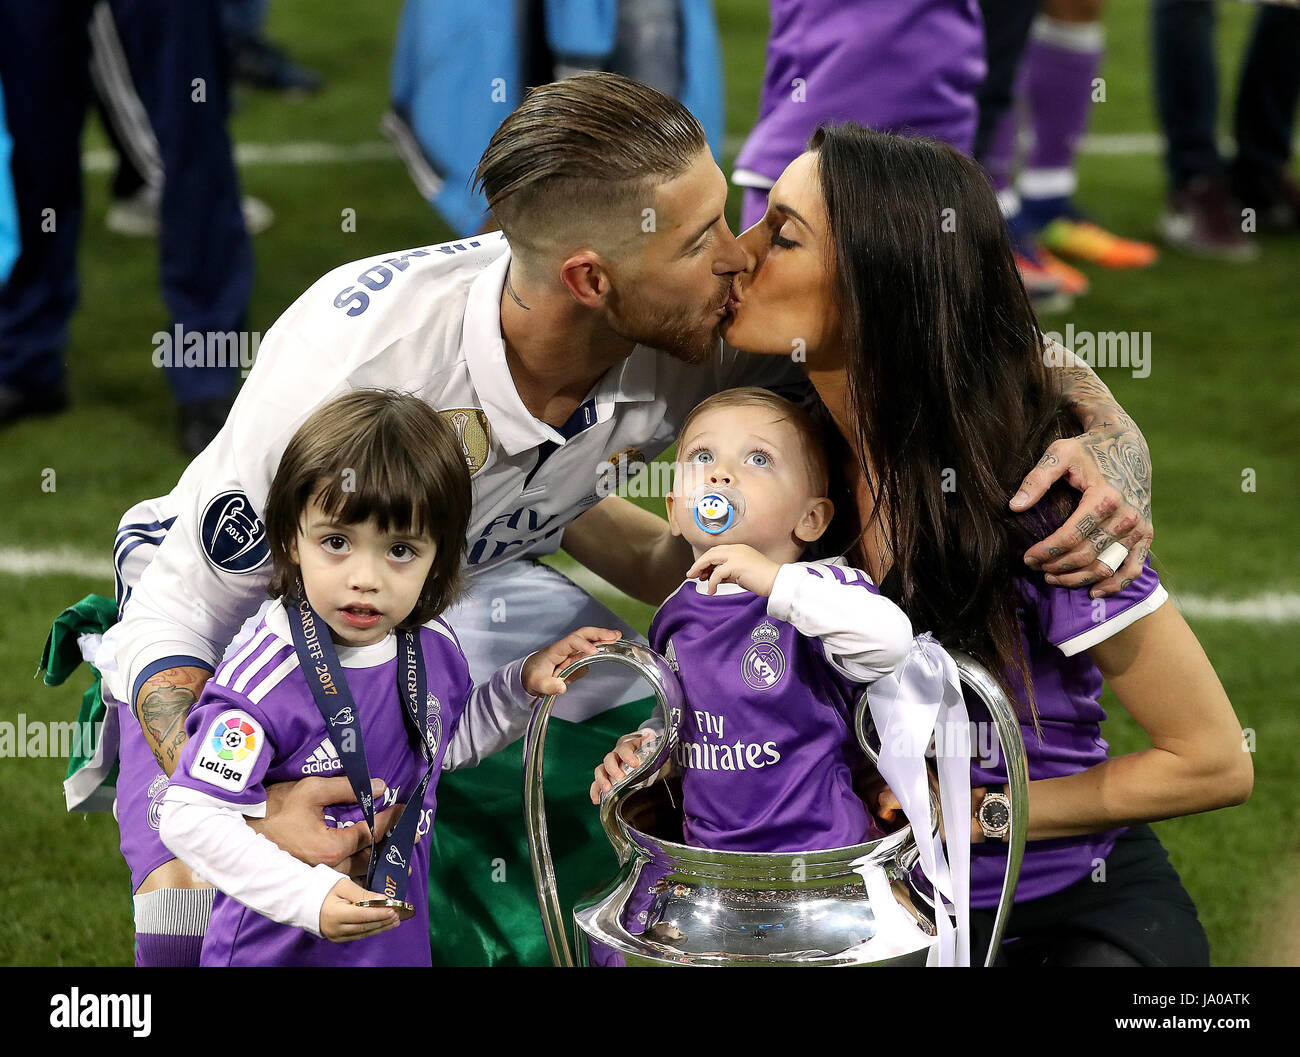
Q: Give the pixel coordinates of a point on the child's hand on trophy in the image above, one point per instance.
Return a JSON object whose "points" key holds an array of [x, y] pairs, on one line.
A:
{"points": [[627, 755], [540, 669]]}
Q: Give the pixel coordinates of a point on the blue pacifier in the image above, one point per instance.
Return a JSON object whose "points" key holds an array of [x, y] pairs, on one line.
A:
{"points": [[717, 511]]}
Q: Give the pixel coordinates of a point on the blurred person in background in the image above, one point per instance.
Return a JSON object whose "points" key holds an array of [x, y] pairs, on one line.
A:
{"points": [[8, 207], [255, 60], [176, 59], [1203, 213], [1054, 91], [136, 190], [459, 69], [911, 66]]}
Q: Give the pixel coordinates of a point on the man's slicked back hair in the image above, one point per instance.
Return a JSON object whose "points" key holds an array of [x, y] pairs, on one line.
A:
{"points": [[583, 148]]}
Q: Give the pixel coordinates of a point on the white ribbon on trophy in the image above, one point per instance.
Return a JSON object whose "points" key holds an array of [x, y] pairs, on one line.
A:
{"points": [[920, 700]]}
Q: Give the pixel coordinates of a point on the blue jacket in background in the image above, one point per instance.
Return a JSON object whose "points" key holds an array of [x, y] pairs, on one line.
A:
{"points": [[9, 244], [459, 69]]}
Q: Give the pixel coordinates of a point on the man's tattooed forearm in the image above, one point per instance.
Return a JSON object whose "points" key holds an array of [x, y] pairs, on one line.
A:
{"points": [[1112, 437], [162, 713], [1087, 396]]}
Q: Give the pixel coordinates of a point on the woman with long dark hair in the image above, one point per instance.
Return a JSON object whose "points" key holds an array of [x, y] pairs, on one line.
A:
{"points": [[885, 261]]}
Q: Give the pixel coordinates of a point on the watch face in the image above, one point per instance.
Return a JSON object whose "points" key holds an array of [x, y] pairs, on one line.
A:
{"points": [[994, 815]]}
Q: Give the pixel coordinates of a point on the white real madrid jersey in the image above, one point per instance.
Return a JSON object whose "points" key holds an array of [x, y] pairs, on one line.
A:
{"points": [[427, 321]]}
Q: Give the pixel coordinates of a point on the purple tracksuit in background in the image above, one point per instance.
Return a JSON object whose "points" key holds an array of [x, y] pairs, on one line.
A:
{"points": [[908, 66]]}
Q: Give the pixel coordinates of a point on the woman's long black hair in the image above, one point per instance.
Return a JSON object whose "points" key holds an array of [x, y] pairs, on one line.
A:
{"points": [[948, 391]]}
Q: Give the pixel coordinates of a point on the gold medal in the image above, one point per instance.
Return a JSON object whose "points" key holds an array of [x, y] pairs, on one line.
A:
{"points": [[405, 911]]}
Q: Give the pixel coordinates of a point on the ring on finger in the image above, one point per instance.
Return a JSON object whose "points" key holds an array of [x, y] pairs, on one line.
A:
{"points": [[1113, 556]]}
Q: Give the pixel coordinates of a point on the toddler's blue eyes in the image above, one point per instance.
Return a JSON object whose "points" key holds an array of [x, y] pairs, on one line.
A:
{"points": [[759, 459], [701, 457]]}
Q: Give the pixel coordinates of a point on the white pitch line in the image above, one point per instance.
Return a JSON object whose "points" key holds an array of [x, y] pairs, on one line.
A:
{"points": [[300, 153], [312, 152], [17, 561], [1273, 607]]}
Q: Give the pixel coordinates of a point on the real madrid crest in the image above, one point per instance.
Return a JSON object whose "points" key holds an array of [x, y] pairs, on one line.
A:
{"points": [[763, 664], [473, 433], [157, 788], [432, 722], [618, 469]]}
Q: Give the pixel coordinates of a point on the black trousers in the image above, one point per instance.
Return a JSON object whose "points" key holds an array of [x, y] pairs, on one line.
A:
{"points": [[175, 56], [1187, 91], [1006, 31], [1139, 915]]}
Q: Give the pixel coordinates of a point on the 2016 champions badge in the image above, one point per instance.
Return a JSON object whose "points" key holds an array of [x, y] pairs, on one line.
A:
{"points": [[232, 536], [763, 664]]}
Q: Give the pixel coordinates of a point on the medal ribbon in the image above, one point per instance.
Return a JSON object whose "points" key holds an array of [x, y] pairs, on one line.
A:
{"points": [[333, 697]]}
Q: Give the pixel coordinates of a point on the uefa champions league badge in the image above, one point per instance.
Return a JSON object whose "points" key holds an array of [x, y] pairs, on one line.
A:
{"points": [[233, 536], [718, 510], [763, 663]]}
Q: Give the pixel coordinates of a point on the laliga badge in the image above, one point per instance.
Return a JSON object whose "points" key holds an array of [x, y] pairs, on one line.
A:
{"points": [[715, 513], [405, 911]]}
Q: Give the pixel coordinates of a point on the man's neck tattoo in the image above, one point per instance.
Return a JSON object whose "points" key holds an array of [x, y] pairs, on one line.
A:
{"points": [[510, 289]]}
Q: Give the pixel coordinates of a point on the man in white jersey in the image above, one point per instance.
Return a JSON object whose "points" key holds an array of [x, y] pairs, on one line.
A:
{"points": [[581, 334]]}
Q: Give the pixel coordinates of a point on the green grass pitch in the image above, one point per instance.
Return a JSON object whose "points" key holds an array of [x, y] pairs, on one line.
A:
{"points": [[1223, 396]]}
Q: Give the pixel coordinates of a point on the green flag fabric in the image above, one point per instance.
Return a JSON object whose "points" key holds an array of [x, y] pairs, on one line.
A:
{"points": [[92, 772], [482, 899]]}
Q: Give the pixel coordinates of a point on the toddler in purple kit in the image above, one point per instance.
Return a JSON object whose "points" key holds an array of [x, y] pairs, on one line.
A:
{"points": [[351, 672], [772, 652]]}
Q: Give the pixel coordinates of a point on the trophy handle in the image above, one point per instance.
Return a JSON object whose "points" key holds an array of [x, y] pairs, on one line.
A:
{"points": [[1007, 724], [655, 670]]}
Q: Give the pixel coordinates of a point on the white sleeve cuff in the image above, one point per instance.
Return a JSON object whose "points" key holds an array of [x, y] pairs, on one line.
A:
{"points": [[216, 842], [1115, 624], [781, 600]]}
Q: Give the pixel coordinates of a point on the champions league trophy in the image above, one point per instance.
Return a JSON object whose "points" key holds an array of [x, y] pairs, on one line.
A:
{"points": [[672, 904]]}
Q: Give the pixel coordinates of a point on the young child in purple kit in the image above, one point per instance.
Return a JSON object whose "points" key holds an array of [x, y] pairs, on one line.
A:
{"points": [[772, 652], [366, 518]]}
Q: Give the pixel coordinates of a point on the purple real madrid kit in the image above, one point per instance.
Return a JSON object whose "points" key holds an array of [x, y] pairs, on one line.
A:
{"points": [[1059, 626], [257, 724], [767, 748]]}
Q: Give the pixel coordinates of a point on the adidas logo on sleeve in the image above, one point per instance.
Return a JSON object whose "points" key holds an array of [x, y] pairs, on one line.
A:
{"points": [[324, 760]]}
